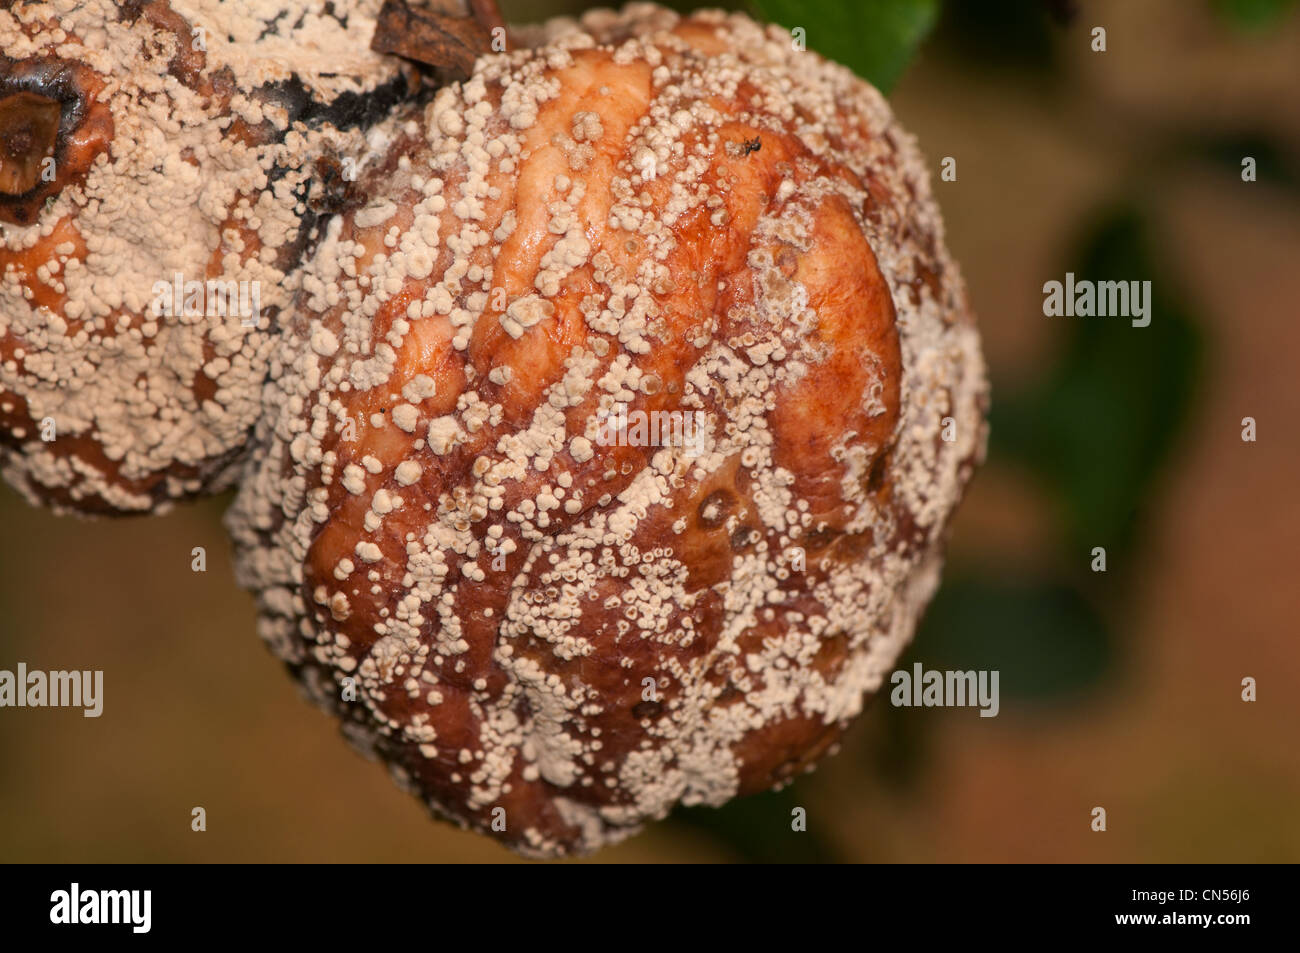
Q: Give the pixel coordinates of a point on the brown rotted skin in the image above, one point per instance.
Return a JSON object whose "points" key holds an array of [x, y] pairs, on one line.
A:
{"points": [[657, 224], [174, 150]]}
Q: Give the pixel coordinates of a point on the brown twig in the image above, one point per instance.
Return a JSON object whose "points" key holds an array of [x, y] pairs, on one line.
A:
{"points": [[448, 35]]}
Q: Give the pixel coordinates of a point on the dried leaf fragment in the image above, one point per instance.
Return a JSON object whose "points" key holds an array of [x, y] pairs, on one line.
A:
{"points": [[446, 34]]}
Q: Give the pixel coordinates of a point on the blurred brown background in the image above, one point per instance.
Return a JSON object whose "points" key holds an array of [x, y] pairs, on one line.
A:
{"points": [[1120, 690]]}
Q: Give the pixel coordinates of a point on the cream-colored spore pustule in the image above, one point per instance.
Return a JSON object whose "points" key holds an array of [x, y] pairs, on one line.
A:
{"points": [[613, 469], [143, 272]]}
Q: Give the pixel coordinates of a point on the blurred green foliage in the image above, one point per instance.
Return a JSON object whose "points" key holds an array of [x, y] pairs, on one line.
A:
{"points": [[759, 829], [1003, 35], [1096, 432], [1043, 637], [1253, 15], [1275, 164], [876, 39], [1097, 429]]}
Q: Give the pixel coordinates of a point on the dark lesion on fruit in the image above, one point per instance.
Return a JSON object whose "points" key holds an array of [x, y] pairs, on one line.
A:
{"points": [[819, 537], [744, 538], [332, 190], [715, 508], [29, 130], [647, 709], [729, 695], [876, 476], [52, 128]]}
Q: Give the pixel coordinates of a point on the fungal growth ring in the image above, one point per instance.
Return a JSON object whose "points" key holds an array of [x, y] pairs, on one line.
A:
{"points": [[597, 435]]}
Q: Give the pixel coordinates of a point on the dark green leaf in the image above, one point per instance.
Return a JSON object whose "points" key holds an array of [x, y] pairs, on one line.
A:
{"points": [[1003, 35], [1099, 429], [758, 829], [874, 38], [1252, 15], [898, 739], [1043, 639], [1275, 164]]}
